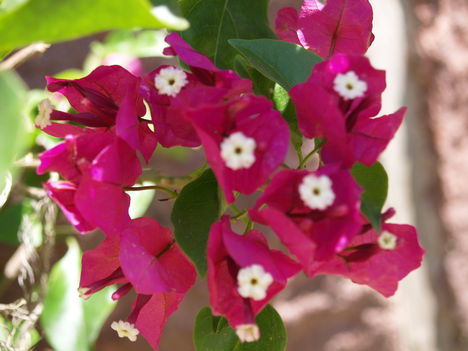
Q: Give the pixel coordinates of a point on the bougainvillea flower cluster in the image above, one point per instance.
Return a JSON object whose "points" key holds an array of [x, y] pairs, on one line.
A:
{"points": [[339, 102], [109, 136], [244, 275]]}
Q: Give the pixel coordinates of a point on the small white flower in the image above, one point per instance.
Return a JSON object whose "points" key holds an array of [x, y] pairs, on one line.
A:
{"points": [[387, 241], [170, 81], [125, 330], [43, 118], [238, 151], [317, 192], [349, 86], [248, 332], [83, 293], [253, 282]]}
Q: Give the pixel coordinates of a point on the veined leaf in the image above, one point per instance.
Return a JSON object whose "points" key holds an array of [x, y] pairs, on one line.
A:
{"points": [[213, 333], [214, 22], [374, 181], [285, 63]]}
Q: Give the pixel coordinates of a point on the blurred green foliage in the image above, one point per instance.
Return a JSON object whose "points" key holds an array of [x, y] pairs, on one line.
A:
{"points": [[69, 322], [28, 21]]}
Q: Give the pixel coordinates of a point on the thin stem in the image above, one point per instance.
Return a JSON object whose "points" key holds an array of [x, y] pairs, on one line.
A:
{"points": [[153, 176], [249, 226], [153, 187], [23, 55], [239, 215], [304, 161]]}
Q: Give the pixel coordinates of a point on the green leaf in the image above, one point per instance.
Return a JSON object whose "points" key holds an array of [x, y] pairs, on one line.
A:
{"points": [[52, 21], [70, 323], [374, 181], [261, 84], [284, 104], [285, 63], [10, 223], [12, 126], [195, 209], [214, 333], [4, 54], [214, 22]]}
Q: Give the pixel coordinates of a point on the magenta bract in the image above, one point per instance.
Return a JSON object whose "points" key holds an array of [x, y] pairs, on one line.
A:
{"points": [[347, 123], [150, 314], [340, 26], [286, 25], [253, 117], [205, 85], [311, 234], [147, 259], [63, 193], [229, 252], [75, 153], [108, 96], [152, 261], [104, 205], [364, 262]]}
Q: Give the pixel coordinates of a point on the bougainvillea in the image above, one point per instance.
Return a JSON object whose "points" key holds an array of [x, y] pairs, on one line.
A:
{"points": [[318, 214]]}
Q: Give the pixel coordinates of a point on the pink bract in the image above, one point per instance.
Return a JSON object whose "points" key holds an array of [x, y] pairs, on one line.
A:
{"points": [[206, 85], [255, 118], [228, 252], [364, 262], [63, 193], [286, 25], [310, 234], [76, 152], [108, 96], [151, 312], [105, 205], [94, 161], [340, 26], [349, 127], [152, 261], [117, 261]]}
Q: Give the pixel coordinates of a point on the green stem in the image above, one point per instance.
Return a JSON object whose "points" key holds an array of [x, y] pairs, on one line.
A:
{"points": [[153, 176], [240, 214], [153, 187], [304, 161], [249, 226]]}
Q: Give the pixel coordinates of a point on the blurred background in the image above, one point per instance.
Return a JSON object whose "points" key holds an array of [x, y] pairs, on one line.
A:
{"points": [[423, 46]]}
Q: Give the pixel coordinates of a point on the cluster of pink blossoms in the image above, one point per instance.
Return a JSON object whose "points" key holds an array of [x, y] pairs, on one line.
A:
{"points": [[315, 213]]}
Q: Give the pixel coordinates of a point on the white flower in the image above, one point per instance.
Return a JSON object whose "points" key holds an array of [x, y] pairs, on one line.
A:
{"points": [[253, 282], [317, 192], [238, 151], [125, 330], [43, 118], [248, 332], [349, 86], [387, 241], [170, 81]]}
